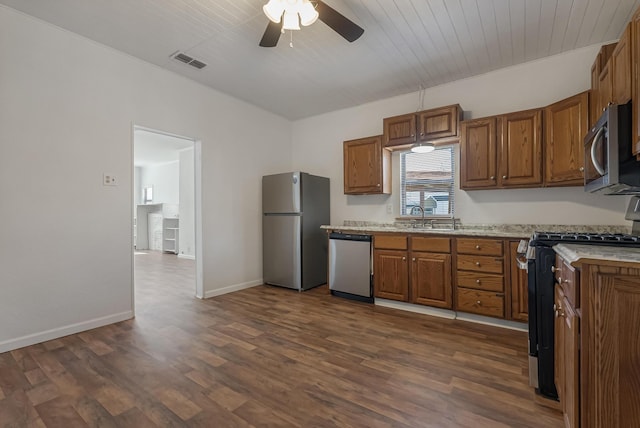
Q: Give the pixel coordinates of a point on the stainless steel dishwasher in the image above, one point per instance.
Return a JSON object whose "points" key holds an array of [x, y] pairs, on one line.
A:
{"points": [[350, 266]]}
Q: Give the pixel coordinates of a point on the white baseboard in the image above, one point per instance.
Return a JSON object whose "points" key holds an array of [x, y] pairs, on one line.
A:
{"points": [[232, 288], [55, 333], [447, 313], [186, 256]]}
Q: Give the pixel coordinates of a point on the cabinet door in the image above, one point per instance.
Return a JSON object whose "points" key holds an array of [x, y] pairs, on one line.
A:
{"points": [[366, 167], [431, 279], [571, 365], [621, 62], [520, 141], [399, 130], [605, 87], [558, 344], [565, 128], [439, 123], [594, 105], [478, 154], [635, 86], [611, 357], [519, 293], [391, 275]]}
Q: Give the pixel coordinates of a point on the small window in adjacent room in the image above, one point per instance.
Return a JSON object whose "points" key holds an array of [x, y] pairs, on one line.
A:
{"points": [[426, 180]]}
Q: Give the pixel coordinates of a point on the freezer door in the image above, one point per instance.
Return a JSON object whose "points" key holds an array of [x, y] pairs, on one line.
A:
{"points": [[281, 193], [281, 255]]}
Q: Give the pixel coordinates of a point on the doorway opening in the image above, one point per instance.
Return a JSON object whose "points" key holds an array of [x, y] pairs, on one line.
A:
{"points": [[167, 221]]}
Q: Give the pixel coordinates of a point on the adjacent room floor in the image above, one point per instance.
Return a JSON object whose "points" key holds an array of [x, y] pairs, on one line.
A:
{"points": [[270, 357]]}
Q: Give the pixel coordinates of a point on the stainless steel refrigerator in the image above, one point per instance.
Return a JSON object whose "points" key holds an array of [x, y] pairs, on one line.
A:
{"points": [[294, 248]]}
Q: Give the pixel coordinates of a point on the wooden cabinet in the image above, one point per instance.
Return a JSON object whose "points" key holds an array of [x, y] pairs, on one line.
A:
{"points": [[599, 101], [566, 342], [478, 158], [502, 151], [566, 124], [429, 125], [621, 68], [390, 267], [635, 81], [480, 280], [520, 153], [518, 286], [610, 346], [431, 271], [367, 167]]}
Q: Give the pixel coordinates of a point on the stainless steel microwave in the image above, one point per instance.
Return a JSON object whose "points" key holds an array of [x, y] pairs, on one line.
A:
{"points": [[609, 166]]}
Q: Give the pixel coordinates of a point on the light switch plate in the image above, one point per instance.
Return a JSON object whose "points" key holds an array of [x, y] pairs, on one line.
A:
{"points": [[389, 208], [109, 180]]}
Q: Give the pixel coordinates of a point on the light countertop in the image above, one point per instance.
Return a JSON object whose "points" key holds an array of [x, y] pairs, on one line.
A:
{"points": [[575, 252], [488, 230]]}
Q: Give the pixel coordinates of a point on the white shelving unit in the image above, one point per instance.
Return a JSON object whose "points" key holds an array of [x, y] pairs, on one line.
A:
{"points": [[170, 234]]}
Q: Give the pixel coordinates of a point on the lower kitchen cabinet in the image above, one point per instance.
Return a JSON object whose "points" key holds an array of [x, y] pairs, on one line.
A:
{"points": [[431, 279], [597, 343], [391, 275]]}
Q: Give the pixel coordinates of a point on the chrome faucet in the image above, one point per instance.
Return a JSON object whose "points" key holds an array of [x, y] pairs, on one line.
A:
{"points": [[421, 211]]}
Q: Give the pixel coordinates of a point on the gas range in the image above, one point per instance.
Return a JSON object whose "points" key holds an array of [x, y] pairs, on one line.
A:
{"points": [[549, 239]]}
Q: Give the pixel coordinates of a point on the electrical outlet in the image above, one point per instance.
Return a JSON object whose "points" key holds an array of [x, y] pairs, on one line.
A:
{"points": [[389, 208], [109, 180]]}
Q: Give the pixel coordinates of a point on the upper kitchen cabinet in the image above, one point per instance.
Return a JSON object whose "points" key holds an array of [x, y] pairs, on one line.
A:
{"points": [[635, 84], [621, 72], [502, 152], [520, 155], [478, 154], [367, 167], [599, 101], [429, 125], [565, 128]]}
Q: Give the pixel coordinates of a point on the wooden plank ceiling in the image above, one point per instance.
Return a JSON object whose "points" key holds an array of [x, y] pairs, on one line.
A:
{"points": [[407, 43]]}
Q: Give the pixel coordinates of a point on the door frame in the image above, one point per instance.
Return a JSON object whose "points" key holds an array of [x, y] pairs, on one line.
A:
{"points": [[197, 188]]}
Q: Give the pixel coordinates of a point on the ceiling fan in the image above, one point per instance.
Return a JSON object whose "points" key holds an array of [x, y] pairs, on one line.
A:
{"points": [[305, 12]]}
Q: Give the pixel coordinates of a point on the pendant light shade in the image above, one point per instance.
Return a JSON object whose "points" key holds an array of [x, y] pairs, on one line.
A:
{"points": [[291, 21], [274, 10], [308, 13], [423, 148]]}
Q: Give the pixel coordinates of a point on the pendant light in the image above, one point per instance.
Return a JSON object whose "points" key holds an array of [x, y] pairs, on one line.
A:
{"points": [[423, 147]]}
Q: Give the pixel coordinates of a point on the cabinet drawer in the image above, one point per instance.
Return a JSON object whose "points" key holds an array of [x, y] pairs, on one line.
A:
{"points": [[481, 302], [567, 277], [484, 247], [480, 264], [390, 242], [481, 281], [431, 244]]}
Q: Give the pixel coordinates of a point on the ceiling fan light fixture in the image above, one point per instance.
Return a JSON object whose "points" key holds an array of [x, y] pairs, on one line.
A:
{"points": [[423, 148], [308, 13], [274, 10], [291, 21]]}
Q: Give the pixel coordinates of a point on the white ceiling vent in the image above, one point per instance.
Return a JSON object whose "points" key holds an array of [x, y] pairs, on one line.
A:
{"points": [[189, 60]]}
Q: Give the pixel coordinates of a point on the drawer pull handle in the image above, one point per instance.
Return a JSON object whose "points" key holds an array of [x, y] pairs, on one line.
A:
{"points": [[478, 302], [414, 259], [478, 281], [477, 263], [477, 247], [404, 258], [555, 269]]}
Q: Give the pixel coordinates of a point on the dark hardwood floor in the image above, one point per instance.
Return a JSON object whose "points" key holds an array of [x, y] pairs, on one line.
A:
{"points": [[269, 357]]}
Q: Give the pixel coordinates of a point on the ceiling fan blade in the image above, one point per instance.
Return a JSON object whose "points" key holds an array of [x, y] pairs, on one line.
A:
{"points": [[271, 35], [338, 22]]}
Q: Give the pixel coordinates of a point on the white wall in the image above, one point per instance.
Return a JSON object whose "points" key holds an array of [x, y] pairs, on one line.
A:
{"points": [[317, 146], [187, 203], [66, 246], [165, 179]]}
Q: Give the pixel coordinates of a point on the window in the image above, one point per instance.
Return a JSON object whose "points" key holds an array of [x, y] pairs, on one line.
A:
{"points": [[426, 180]]}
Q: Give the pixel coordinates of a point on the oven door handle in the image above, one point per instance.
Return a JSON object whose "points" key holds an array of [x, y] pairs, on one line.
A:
{"points": [[594, 161]]}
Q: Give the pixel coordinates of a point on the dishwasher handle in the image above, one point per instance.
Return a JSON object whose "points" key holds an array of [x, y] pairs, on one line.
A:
{"points": [[349, 237]]}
